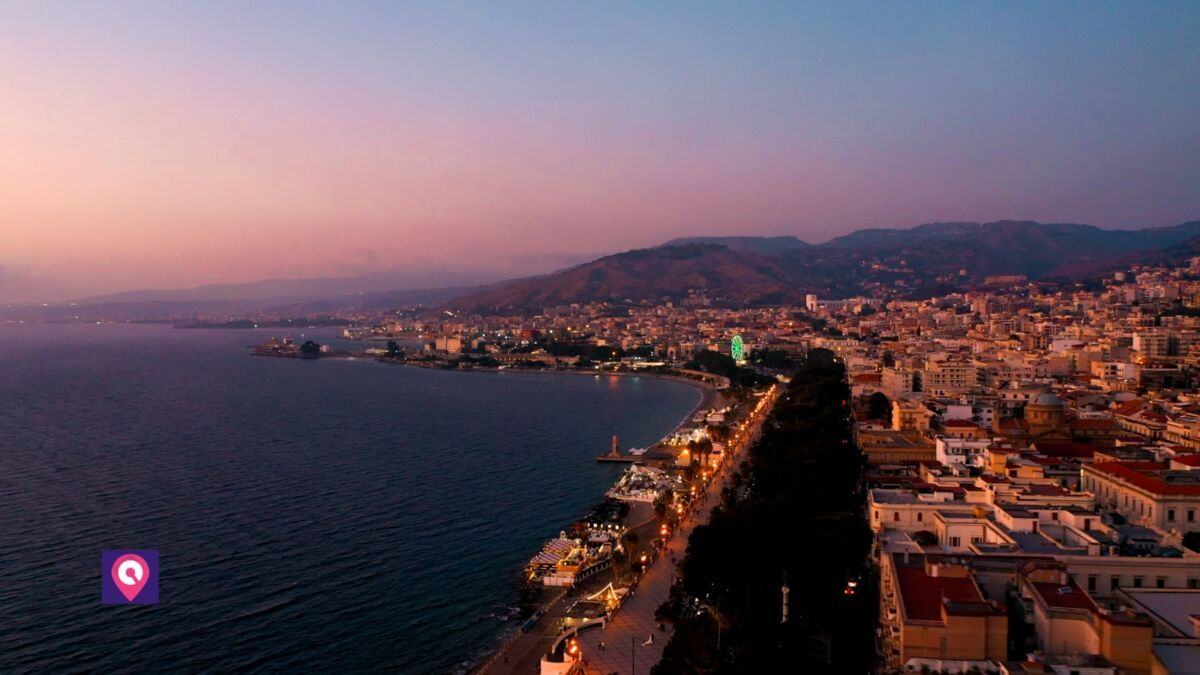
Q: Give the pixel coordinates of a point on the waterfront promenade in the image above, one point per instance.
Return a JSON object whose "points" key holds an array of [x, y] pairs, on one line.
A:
{"points": [[624, 645], [523, 654], [627, 645]]}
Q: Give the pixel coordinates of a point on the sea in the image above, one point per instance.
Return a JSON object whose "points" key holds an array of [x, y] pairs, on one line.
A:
{"points": [[337, 514]]}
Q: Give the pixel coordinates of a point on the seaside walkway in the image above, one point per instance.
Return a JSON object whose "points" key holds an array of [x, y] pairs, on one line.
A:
{"points": [[626, 649]]}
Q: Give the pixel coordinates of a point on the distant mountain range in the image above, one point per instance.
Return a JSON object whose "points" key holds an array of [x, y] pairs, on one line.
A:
{"points": [[271, 297], [919, 262], [929, 259], [298, 290]]}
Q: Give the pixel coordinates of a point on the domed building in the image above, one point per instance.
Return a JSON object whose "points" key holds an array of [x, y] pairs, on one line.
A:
{"points": [[1046, 414], [1044, 419]]}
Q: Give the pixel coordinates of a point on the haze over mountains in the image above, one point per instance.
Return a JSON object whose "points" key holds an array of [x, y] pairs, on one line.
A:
{"points": [[936, 257], [280, 290], [931, 258]]}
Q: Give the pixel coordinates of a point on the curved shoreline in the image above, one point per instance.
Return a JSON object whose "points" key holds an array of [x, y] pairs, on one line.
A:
{"points": [[708, 392], [506, 638]]}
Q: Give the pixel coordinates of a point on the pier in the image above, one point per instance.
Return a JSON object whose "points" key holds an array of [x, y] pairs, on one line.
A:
{"points": [[614, 455]]}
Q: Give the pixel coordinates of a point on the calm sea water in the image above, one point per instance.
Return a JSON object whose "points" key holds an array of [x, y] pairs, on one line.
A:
{"points": [[319, 515]]}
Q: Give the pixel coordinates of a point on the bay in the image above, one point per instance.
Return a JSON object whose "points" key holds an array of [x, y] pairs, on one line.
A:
{"points": [[309, 515]]}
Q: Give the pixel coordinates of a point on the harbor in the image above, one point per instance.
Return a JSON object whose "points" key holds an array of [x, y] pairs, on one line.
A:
{"points": [[602, 579], [604, 570]]}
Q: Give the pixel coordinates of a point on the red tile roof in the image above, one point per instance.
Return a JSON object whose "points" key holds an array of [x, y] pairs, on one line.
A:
{"points": [[1130, 407], [1070, 596], [1039, 490], [922, 594], [1147, 476]]}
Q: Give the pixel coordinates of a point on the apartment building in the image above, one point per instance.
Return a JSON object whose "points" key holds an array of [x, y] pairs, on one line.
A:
{"points": [[1148, 493]]}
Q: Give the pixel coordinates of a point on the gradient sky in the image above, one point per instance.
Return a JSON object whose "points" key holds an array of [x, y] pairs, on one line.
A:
{"points": [[165, 144]]}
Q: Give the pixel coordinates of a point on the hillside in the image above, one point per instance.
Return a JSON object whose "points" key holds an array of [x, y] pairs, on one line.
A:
{"points": [[1007, 247], [649, 274], [917, 262], [762, 245]]}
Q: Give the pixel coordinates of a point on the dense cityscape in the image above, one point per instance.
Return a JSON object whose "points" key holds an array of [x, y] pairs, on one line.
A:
{"points": [[656, 338], [1026, 459]]}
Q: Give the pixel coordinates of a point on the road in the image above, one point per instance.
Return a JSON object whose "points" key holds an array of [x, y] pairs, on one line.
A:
{"points": [[632, 643]]}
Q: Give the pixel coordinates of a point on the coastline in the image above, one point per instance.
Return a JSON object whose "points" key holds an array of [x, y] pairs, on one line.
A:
{"points": [[708, 392], [505, 638]]}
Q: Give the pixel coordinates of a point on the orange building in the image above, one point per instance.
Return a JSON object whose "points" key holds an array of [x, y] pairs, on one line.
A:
{"points": [[934, 610], [1068, 622]]}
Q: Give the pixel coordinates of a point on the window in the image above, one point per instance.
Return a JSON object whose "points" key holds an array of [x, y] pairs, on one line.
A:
{"points": [[955, 542], [876, 516], [1091, 582], [1171, 515], [1191, 516], [1160, 582], [1137, 582], [1114, 583], [1193, 583], [920, 516], [1054, 515], [896, 516]]}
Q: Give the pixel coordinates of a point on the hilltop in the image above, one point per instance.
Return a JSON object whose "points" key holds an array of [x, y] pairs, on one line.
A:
{"points": [[916, 262]]}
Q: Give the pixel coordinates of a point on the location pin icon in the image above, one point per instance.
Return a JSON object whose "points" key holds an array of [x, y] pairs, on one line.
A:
{"points": [[130, 572]]}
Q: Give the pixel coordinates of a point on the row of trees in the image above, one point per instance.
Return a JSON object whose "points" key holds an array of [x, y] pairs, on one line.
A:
{"points": [[720, 363], [792, 514]]}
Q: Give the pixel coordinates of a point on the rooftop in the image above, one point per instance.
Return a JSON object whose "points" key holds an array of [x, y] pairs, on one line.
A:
{"points": [[1154, 477], [1064, 596], [1170, 608], [924, 595]]}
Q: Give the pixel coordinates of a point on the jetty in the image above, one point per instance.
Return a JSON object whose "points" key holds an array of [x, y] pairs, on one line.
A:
{"points": [[614, 455]]}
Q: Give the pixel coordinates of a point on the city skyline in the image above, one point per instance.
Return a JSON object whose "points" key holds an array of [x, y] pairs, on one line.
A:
{"points": [[169, 148], [621, 338]]}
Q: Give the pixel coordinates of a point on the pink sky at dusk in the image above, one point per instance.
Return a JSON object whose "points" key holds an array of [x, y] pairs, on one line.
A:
{"points": [[151, 148]]}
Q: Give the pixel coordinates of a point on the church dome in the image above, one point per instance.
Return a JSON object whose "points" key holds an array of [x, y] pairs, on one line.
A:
{"points": [[1048, 400]]}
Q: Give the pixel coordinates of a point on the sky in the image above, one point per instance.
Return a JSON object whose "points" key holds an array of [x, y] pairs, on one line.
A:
{"points": [[169, 144]]}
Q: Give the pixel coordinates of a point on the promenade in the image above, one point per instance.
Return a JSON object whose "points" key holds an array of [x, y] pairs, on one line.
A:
{"points": [[524, 654], [632, 643]]}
